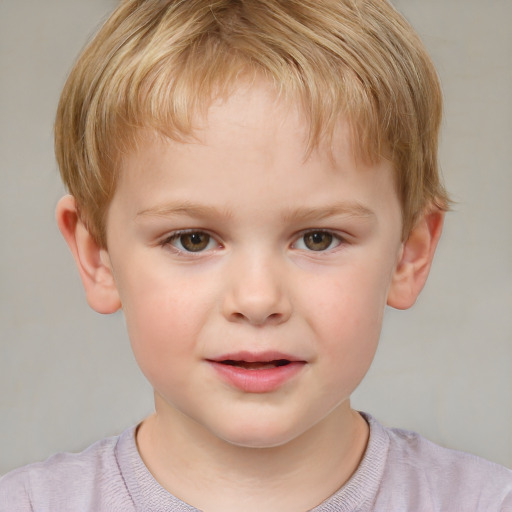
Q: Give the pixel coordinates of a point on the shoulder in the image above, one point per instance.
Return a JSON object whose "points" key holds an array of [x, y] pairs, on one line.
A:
{"points": [[411, 451], [66, 481], [445, 479]]}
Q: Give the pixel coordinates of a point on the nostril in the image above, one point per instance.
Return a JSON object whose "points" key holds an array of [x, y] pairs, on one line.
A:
{"points": [[242, 316], [272, 318]]}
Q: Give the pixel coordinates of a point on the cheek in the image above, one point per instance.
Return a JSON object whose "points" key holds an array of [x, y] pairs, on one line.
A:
{"points": [[163, 322], [348, 321], [351, 302]]}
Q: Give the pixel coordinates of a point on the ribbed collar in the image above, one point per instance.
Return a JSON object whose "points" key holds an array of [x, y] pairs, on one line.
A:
{"points": [[357, 495]]}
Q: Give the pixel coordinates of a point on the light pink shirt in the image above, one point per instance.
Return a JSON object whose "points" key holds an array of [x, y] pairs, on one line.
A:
{"points": [[400, 471]]}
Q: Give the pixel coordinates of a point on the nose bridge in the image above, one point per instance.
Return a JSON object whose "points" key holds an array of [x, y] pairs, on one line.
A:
{"points": [[256, 289]]}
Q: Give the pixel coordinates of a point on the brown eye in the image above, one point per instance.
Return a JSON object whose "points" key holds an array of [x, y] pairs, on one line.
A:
{"points": [[318, 240], [193, 242]]}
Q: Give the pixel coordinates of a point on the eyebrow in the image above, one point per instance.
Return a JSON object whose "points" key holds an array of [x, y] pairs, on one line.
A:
{"points": [[182, 208], [346, 209], [302, 214]]}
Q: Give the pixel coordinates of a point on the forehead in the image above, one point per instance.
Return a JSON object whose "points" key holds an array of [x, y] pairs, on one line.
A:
{"points": [[248, 149], [254, 113], [254, 123]]}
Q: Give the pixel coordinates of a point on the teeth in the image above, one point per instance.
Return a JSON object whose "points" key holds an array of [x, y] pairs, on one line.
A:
{"points": [[259, 365]]}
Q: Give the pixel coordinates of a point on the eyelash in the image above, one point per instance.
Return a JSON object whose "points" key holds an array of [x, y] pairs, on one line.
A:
{"points": [[177, 236], [333, 238]]}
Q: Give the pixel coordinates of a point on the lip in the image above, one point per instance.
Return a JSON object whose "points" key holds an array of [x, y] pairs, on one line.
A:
{"points": [[257, 372]]}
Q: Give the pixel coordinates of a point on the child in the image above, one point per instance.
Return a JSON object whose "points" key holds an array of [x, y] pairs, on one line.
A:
{"points": [[252, 182]]}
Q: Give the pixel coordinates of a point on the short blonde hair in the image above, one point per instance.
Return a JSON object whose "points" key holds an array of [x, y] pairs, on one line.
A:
{"points": [[158, 63]]}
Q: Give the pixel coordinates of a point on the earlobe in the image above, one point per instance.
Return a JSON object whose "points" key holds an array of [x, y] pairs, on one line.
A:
{"points": [[92, 260], [415, 260]]}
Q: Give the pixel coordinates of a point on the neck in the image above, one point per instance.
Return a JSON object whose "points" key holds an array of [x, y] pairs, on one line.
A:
{"points": [[213, 475]]}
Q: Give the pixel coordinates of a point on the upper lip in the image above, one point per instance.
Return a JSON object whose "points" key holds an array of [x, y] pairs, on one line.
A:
{"points": [[256, 357]]}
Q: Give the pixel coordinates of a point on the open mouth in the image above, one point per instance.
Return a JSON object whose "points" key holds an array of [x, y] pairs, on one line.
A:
{"points": [[257, 373], [258, 365]]}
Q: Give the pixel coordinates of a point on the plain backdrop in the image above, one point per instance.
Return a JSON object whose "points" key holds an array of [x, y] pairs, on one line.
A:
{"points": [[67, 376]]}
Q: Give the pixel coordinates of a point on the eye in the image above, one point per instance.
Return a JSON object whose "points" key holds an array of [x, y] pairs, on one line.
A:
{"points": [[317, 241], [192, 241]]}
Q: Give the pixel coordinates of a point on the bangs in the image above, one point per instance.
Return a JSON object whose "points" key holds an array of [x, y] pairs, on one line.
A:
{"points": [[156, 83]]}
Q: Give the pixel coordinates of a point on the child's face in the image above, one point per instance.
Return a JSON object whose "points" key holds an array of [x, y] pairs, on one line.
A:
{"points": [[253, 280]]}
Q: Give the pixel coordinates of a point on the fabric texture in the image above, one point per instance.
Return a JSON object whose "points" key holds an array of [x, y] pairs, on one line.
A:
{"points": [[400, 471]]}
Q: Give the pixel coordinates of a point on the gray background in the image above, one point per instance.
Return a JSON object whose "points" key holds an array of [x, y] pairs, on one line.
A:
{"points": [[67, 376]]}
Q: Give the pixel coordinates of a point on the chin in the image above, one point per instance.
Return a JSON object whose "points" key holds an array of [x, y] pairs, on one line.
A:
{"points": [[257, 435]]}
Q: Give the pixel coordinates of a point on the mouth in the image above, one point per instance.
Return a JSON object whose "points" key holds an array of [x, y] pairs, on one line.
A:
{"points": [[257, 373], [256, 365]]}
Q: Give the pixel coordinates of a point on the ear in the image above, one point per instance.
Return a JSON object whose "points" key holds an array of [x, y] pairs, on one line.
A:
{"points": [[93, 262], [415, 260]]}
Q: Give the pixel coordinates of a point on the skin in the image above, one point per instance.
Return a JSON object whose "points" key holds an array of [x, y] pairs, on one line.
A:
{"points": [[297, 256]]}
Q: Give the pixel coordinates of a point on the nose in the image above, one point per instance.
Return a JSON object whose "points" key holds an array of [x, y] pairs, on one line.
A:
{"points": [[256, 292]]}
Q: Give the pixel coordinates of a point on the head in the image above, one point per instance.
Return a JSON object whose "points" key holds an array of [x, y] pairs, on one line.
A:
{"points": [[161, 64], [253, 182]]}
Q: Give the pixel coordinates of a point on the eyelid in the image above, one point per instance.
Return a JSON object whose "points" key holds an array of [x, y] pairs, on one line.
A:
{"points": [[175, 235], [341, 239]]}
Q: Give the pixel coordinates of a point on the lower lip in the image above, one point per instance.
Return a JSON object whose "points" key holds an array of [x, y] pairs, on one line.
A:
{"points": [[257, 381]]}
